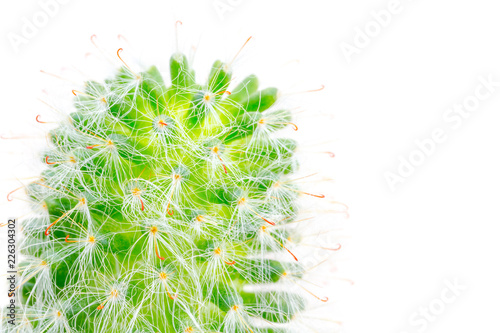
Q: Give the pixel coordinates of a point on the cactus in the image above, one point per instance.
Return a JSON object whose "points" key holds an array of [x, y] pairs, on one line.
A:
{"points": [[161, 205]]}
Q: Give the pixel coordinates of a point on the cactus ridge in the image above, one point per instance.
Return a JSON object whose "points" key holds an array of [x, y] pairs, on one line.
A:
{"points": [[164, 207]]}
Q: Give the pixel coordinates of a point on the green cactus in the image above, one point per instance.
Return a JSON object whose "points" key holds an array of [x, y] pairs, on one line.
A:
{"points": [[160, 204]]}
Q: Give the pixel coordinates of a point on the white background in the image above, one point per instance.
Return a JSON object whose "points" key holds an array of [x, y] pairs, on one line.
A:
{"points": [[441, 223]]}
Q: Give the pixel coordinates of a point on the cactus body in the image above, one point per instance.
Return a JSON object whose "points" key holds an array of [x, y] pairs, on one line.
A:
{"points": [[161, 204]]}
